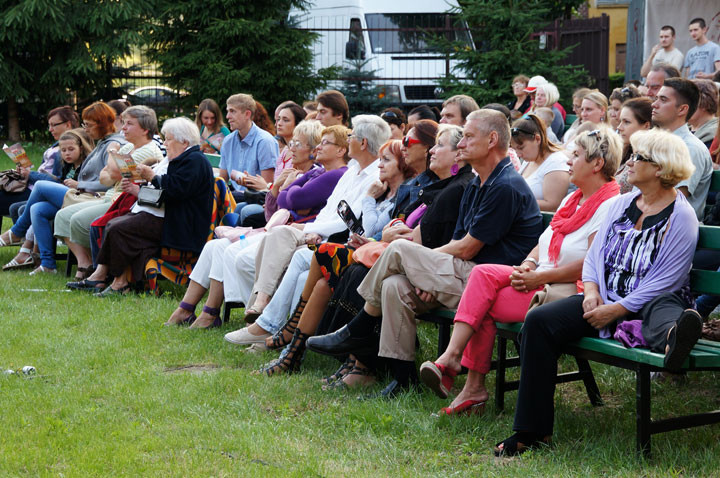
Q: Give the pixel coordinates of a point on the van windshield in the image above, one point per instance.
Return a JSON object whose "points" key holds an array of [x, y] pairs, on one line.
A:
{"points": [[407, 33]]}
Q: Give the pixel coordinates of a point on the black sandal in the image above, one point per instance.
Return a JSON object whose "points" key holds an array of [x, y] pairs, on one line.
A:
{"points": [[291, 362], [519, 443], [341, 385], [344, 369], [682, 338], [278, 339]]}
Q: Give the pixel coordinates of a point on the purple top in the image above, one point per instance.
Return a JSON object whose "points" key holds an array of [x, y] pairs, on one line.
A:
{"points": [[669, 268], [310, 191]]}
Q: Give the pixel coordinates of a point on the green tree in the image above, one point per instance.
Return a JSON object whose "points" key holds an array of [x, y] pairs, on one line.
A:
{"points": [[217, 48], [501, 30], [362, 95], [50, 49]]}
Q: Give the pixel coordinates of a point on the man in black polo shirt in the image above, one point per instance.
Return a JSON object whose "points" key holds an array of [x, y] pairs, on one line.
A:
{"points": [[499, 223]]}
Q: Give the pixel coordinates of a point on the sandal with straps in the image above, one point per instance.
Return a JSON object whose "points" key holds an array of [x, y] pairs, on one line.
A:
{"points": [[291, 361], [278, 339], [84, 272], [344, 369], [519, 443], [15, 264], [187, 320], [214, 319], [342, 385], [10, 242]]}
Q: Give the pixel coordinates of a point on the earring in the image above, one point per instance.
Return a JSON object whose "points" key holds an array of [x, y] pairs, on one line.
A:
{"points": [[454, 168]]}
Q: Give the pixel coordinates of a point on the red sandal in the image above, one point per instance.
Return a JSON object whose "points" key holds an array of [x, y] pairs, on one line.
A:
{"points": [[438, 378]]}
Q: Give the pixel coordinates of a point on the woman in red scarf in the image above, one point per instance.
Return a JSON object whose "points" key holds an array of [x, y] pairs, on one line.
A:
{"points": [[499, 293]]}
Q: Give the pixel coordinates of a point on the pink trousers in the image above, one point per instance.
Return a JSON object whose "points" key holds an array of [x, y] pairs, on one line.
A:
{"points": [[489, 298]]}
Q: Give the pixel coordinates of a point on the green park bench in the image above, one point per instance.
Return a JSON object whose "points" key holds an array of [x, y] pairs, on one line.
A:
{"points": [[705, 356]]}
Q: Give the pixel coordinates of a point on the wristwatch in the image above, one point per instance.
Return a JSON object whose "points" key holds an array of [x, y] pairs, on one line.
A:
{"points": [[533, 260]]}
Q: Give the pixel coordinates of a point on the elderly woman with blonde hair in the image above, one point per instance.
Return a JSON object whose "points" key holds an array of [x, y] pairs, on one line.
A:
{"points": [[636, 285], [181, 221]]}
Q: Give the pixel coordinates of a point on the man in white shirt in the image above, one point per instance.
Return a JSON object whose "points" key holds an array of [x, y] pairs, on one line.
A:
{"points": [[703, 60], [664, 52]]}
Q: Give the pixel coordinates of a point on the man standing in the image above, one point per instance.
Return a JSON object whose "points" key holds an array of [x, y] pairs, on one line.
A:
{"points": [[703, 60], [664, 52], [676, 103], [657, 76], [248, 154], [499, 223]]}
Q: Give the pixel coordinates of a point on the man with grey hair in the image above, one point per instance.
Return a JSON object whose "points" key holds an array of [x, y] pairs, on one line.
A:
{"points": [[657, 76], [456, 108], [261, 265], [499, 223]]}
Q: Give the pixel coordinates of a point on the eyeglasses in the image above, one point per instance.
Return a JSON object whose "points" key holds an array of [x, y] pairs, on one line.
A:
{"points": [[295, 144], [88, 125], [517, 83], [326, 142], [635, 157], [55, 125], [407, 141]]}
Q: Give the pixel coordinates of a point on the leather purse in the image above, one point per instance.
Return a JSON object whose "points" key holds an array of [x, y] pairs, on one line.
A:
{"points": [[11, 181], [150, 197]]}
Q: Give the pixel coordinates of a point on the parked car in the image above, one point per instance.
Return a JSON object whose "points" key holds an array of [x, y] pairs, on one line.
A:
{"points": [[155, 96]]}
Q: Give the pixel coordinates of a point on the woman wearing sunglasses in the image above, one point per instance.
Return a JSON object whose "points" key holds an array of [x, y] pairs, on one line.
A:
{"points": [[395, 118], [636, 282], [545, 168]]}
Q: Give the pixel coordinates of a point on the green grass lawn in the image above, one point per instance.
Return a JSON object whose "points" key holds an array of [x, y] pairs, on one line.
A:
{"points": [[111, 398]]}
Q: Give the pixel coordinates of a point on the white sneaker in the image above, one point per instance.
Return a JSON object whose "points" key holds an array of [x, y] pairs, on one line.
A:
{"points": [[245, 337], [43, 269]]}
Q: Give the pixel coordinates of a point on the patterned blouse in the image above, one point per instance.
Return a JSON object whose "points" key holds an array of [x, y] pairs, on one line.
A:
{"points": [[629, 253]]}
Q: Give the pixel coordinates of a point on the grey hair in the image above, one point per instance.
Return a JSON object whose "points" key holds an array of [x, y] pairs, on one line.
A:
{"points": [[372, 128], [454, 133], [491, 120], [145, 117], [183, 130]]}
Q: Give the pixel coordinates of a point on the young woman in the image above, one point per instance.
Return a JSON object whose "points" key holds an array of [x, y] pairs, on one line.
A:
{"points": [[635, 115], [617, 98], [209, 121], [545, 168], [594, 108]]}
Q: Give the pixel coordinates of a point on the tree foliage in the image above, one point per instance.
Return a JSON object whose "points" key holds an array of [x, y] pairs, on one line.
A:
{"points": [[501, 30], [49, 48], [217, 48]]}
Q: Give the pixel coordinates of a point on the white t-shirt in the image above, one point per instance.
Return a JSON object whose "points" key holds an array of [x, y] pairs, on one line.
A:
{"points": [[575, 245], [555, 162], [675, 58]]}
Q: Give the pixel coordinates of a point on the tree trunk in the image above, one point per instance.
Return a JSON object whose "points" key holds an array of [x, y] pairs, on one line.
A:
{"points": [[13, 120]]}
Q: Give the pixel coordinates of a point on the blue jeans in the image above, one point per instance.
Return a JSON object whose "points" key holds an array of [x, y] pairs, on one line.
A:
{"points": [[45, 201], [707, 260], [244, 210]]}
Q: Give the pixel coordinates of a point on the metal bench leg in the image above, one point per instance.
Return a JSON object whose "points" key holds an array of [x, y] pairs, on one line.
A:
{"points": [[500, 374], [590, 384], [643, 409], [443, 338]]}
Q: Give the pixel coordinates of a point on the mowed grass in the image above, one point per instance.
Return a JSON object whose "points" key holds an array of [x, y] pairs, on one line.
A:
{"points": [[111, 398]]}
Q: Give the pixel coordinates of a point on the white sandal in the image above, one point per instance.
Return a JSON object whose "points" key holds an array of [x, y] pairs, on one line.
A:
{"points": [[15, 264], [40, 269], [18, 242]]}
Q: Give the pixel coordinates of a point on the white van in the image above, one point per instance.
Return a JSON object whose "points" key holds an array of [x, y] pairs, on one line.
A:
{"points": [[389, 35]]}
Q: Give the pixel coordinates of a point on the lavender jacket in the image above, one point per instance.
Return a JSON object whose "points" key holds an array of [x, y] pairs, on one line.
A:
{"points": [[671, 269]]}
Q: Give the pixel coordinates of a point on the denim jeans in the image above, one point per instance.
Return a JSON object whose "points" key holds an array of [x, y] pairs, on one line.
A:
{"points": [[45, 201]]}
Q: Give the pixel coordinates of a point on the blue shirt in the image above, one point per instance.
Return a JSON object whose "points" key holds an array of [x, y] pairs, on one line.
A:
{"points": [[256, 152], [503, 214]]}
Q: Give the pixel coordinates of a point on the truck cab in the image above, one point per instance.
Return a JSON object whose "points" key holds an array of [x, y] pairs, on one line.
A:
{"points": [[388, 39]]}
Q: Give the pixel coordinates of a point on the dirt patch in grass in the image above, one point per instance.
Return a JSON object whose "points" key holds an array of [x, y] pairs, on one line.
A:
{"points": [[193, 368]]}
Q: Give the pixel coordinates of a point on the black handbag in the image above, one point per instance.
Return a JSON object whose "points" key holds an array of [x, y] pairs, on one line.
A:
{"points": [[150, 197]]}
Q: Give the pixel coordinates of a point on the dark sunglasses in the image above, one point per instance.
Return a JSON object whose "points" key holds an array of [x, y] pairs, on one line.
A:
{"points": [[407, 141], [388, 114], [517, 131], [635, 157]]}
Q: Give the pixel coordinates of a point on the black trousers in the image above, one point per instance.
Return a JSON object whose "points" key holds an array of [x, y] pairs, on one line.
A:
{"points": [[549, 327]]}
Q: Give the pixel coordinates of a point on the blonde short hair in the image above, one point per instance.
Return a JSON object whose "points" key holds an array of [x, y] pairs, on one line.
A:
{"points": [[551, 92], [454, 133], [602, 143], [599, 99], [243, 101], [668, 151], [311, 130]]}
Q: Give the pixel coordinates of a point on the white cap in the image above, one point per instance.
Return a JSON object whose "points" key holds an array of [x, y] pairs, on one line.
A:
{"points": [[534, 82]]}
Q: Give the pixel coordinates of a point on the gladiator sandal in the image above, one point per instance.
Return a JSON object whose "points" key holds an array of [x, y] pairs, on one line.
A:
{"points": [[278, 340], [290, 363]]}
